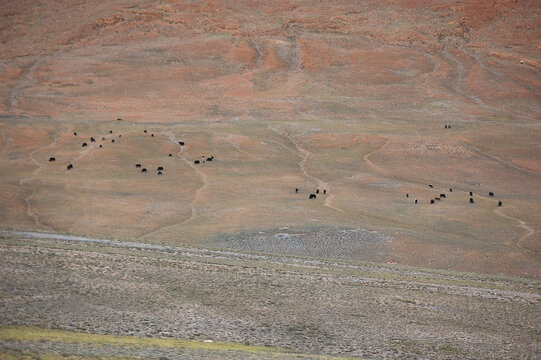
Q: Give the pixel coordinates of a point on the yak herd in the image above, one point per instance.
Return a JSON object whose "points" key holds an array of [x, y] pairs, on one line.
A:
{"points": [[160, 169], [443, 196]]}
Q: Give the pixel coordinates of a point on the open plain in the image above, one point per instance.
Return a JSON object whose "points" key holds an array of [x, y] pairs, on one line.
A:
{"points": [[371, 101]]}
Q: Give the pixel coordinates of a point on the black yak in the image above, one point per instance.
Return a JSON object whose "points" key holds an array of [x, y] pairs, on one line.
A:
{"points": [[432, 201], [416, 200], [151, 135], [101, 145], [491, 194], [500, 203], [430, 186], [442, 195], [112, 140], [159, 173], [84, 144], [69, 167], [74, 133], [52, 159], [312, 196], [196, 162], [159, 168], [145, 131], [296, 190], [181, 143], [450, 190], [317, 191], [110, 131], [170, 155], [324, 191], [209, 159], [138, 165], [92, 139], [144, 170], [407, 195], [471, 200]]}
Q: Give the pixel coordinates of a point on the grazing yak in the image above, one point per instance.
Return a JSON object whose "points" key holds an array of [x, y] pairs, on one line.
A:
{"points": [[196, 162], [52, 159], [145, 131], [144, 170], [491, 194], [432, 201], [450, 190], [209, 159], [312, 196], [407, 195], [85, 145], [500, 203], [471, 200], [151, 135], [471, 193], [137, 165], [181, 143], [159, 173], [324, 191], [438, 199], [416, 200], [69, 167], [170, 155], [120, 135], [92, 139], [159, 168], [112, 140], [74, 133], [101, 145], [442, 195], [317, 191], [296, 190], [110, 131], [431, 186], [103, 138]]}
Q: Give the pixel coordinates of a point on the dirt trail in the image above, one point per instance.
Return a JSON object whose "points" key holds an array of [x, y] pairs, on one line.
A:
{"points": [[495, 158], [24, 182], [198, 192], [306, 154], [522, 224]]}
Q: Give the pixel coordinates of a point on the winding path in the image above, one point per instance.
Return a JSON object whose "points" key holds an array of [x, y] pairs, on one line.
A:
{"points": [[198, 192], [522, 224], [306, 154]]}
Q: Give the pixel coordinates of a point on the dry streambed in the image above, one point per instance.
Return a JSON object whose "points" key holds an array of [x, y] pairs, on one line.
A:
{"points": [[310, 305]]}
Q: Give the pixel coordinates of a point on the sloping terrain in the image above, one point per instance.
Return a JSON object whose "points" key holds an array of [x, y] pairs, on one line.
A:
{"points": [[317, 306]]}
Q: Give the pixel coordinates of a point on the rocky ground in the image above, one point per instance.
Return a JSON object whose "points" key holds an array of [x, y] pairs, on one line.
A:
{"points": [[313, 305]]}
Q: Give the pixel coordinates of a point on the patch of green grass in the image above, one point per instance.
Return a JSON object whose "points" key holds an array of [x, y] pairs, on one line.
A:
{"points": [[33, 334]]}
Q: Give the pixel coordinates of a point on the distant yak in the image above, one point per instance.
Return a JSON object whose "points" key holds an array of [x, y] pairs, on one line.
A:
{"points": [[120, 135], [317, 191], [491, 194], [296, 190], [159, 173], [209, 159], [69, 167], [471, 193], [151, 135], [442, 195], [312, 196], [170, 155], [407, 195], [432, 201], [110, 131], [138, 165], [159, 168], [112, 140], [438, 199], [181, 143], [324, 191], [450, 190], [144, 170], [430, 186], [52, 159], [74, 133], [92, 139], [416, 200], [84, 144], [101, 145], [471, 200], [500, 203], [196, 162], [103, 138], [145, 131]]}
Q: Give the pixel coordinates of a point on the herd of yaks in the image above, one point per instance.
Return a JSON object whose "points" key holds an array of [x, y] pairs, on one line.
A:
{"points": [[204, 159], [443, 196], [159, 169]]}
